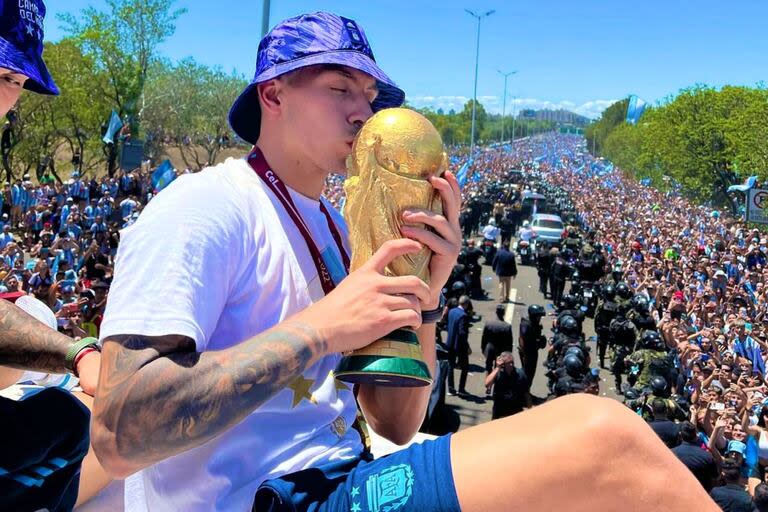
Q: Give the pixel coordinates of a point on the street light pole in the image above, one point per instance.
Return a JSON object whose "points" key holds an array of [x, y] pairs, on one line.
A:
{"points": [[477, 61], [264, 17], [504, 101], [513, 118]]}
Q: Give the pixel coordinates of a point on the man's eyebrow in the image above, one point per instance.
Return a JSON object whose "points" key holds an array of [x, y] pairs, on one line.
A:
{"points": [[347, 74]]}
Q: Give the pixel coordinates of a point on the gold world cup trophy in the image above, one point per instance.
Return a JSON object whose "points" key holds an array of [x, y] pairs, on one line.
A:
{"points": [[393, 156]]}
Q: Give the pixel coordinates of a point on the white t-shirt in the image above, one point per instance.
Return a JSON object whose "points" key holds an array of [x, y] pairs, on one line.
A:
{"points": [[491, 232], [215, 257]]}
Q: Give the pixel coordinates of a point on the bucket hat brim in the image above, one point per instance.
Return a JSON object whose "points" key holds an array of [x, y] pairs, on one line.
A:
{"points": [[245, 114], [39, 80]]}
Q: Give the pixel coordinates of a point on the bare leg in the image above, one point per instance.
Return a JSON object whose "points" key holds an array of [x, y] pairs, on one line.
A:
{"points": [[576, 453]]}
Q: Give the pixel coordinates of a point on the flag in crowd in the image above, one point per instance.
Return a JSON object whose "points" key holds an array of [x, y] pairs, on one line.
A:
{"points": [[163, 176], [113, 127], [635, 109]]}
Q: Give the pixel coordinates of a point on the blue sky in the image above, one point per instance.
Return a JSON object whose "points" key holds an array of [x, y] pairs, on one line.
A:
{"points": [[580, 55]]}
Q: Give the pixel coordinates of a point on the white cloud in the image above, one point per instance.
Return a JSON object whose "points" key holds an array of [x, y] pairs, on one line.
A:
{"points": [[591, 109]]}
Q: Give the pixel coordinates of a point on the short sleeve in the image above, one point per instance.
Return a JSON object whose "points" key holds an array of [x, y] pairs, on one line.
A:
{"points": [[175, 266]]}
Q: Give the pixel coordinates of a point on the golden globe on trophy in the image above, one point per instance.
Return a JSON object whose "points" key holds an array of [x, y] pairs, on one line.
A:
{"points": [[393, 156]]}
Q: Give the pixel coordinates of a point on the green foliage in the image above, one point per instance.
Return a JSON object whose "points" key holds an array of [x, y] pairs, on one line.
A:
{"points": [[704, 138], [123, 42], [455, 127], [597, 132], [109, 61], [189, 102]]}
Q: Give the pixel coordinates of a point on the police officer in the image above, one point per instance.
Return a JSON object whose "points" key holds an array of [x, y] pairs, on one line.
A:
{"points": [[531, 339], [640, 313], [623, 293], [559, 272], [474, 268], [571, 308], [543, 266], [623, 335], [606, 311], [651, 359], [658, 404], [577, 378], [567, 335]]}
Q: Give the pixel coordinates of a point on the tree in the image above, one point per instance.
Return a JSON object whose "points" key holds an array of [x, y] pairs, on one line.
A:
{"points": [[123, 42], [186, 105]]}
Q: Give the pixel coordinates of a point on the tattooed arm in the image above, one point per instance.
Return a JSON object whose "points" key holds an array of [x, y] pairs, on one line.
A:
{"points": [[158, 397], [27, 344]]}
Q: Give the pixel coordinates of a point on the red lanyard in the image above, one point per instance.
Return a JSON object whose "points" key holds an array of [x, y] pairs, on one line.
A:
{"points": [[259, 164]]}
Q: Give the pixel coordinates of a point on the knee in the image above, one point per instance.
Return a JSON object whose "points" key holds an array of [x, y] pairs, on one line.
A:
{"points": [[619, 430]]}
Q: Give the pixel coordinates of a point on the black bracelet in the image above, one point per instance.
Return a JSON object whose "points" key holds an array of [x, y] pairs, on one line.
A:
{"points": [[433, 315]]}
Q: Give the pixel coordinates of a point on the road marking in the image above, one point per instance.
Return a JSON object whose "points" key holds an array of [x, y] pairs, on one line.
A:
{"points": [[510, 313]]}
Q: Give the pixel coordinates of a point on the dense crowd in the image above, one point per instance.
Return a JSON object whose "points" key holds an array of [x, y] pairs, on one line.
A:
{"points": [[59, 240], [698, 274], [691, 284]]}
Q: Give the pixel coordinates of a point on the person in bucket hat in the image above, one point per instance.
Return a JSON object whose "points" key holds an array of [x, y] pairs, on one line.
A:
{"points": [[30, 439], [217, 389], [21, 51]]}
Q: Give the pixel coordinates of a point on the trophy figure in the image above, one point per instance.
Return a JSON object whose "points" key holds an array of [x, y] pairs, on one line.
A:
{"points": [[393, 156]]}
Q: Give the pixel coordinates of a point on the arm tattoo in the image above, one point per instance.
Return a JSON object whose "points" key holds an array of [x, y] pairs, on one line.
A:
{"points": [[27, 344], [157, 397]]}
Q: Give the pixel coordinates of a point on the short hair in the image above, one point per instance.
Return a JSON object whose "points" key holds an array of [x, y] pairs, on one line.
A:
{"points": [[761, 496], [688, 432], [730, 470], [464, 300], [659, 408]]}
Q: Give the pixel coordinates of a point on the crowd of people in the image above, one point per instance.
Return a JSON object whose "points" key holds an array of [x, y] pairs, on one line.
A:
{"points": [[683, 306], [699, 274], [59, 240], [194, 429]]}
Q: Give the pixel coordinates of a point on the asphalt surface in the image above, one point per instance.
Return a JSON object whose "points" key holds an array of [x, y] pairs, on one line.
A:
{"points": [[467, 411]]}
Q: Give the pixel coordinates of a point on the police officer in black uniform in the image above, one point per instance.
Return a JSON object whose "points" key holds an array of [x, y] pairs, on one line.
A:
{"points": [[559, 272], [474, 268], [531, 340], [606, 312], [571, 308], [623, 335], [543, 266], [641, 314]]}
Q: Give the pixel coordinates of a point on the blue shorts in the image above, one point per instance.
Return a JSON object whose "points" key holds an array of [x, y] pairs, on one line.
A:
{"points": [[418, 478]]}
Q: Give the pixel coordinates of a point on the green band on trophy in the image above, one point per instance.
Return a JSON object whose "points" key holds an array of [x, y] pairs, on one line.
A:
{"points": [[393, 157]]}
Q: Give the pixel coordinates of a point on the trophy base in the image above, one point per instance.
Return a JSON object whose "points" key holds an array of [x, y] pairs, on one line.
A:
{"points": [[395, 360]]}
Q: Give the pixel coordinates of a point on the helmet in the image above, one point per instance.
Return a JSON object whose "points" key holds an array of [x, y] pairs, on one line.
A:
{"points": [[659, 385], [575, 276], [573, 365], [598, 247], [623, 291], [535, 310], [651, 340], [609, 292], [458, 286], [570, 301], [576, 351], [568, 326], [624, 308], [492, 222], [526, 224], [640, 303]]}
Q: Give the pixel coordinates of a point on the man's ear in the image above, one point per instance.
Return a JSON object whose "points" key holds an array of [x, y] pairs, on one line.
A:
{"points": [[269, 96]]}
